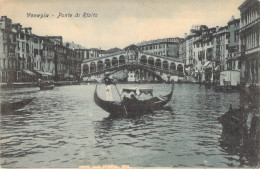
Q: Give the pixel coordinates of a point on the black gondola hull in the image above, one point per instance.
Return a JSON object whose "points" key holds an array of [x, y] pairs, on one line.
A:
{"points": [[9, 107], [131, 107]]}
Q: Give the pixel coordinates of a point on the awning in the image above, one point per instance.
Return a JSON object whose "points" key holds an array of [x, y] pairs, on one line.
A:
{"points": [[217, 67], [207, 64], [44, 73], [29, 72]]}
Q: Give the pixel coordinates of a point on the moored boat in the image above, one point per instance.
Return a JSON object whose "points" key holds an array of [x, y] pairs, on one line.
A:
{"points": [[46, 87], [132, 106], [8, 107]]}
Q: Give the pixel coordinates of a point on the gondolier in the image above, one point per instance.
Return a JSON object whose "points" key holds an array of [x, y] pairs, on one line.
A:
{"points": [[108, 82]]}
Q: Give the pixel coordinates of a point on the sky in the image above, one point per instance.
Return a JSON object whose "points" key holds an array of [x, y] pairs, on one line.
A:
{"points": [[118, 23]]}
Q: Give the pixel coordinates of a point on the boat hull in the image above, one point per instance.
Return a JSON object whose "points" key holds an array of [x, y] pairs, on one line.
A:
{"points": [[129, 107], [8, 107], [49, 87]]}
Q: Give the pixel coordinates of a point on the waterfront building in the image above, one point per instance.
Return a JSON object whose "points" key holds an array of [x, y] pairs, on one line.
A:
{"points": [[94, 52], [168, 47], [75, 67], [44, 65], [221, 39], [203, 55], [76, 55], [7, 51], [182, 49], [26, 57], [109, 51], [233, 63], [25, 54], [250, 40], [188, 49]]}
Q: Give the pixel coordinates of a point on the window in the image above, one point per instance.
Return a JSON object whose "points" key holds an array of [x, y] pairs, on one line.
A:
{"points": [[4, 48], [3, 63], [21, 36], [35, 40]]}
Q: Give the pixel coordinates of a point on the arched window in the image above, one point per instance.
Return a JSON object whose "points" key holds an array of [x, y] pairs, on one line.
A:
{"points": [[114, 61], [100, 65], [158, 63], [151, 61], [85, 69], [92, 67], [143, 60], [180, 68], [121, 60], [165, 64], [173, 66], [107, 63]]}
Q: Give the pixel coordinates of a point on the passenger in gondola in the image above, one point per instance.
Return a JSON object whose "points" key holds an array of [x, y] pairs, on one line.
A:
{"points": [[108, 81], [133, 98]]}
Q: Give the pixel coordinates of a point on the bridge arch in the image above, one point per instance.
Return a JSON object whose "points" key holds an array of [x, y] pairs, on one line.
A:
{"points": [[180, 68], [143, 60], [85, 69], [121, 60], [151, 61], [114, 61], [158, 63], [92, 67], [172, 66], [100, 65], [107, 63], [165, 64]]}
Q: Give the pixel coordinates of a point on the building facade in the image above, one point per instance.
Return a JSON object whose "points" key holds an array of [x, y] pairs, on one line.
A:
{"points": [[8, 54], [168, 47], [250, 41], [26, 57], [233, 63]]}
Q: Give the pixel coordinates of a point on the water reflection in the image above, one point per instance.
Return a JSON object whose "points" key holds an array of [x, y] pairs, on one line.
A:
{"points": [[240, 148]]}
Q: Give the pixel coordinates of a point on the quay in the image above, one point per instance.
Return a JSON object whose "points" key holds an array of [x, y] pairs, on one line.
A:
{"points": [[35, 84]]}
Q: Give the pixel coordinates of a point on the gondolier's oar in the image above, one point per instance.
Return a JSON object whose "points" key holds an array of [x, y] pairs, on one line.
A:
{"points": [[120, 98]]}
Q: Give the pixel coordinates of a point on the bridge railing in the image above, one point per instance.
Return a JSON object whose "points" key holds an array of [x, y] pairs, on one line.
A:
{"points": [[137, 64]]}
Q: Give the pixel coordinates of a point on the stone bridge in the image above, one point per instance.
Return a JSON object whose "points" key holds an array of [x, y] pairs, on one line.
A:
{"points": [[133, 65]]}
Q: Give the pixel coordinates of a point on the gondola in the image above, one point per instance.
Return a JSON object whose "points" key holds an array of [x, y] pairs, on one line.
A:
{"points": [[46, 87], [9, 107], [132, 107]]}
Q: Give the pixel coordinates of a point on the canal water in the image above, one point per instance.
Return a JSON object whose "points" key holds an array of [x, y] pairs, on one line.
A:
{"points": [[64, 128]]}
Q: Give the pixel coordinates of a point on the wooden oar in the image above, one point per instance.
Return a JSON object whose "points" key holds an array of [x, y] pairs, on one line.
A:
{"points": [[120, 98]]}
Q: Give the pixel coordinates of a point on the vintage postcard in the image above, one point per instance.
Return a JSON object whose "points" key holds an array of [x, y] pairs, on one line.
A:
{"points": [[129, 84]]}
